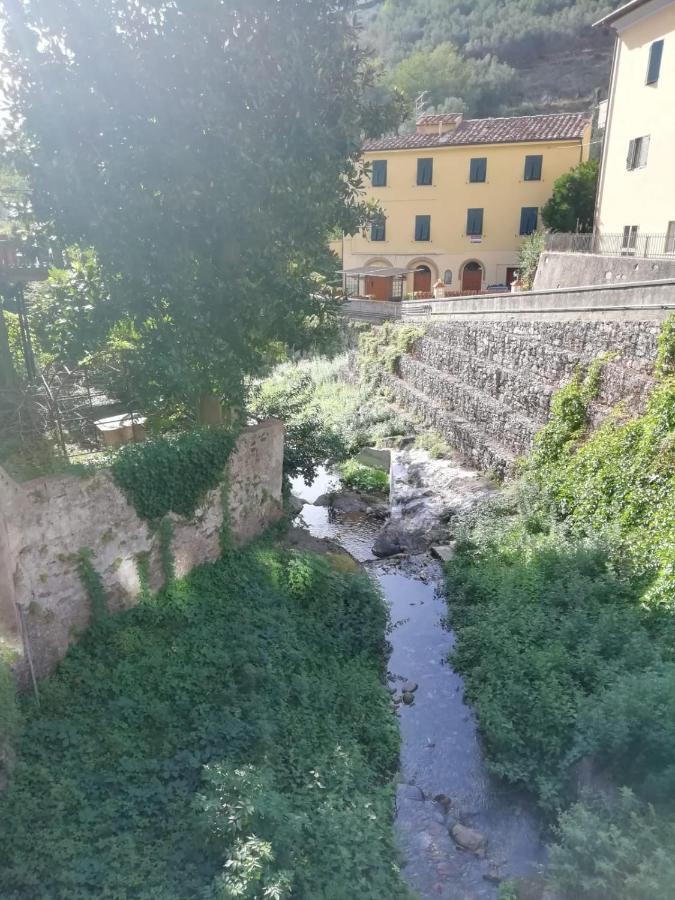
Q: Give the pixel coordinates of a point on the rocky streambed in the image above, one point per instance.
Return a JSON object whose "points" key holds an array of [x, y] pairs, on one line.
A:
{"points": [[461, 832]]}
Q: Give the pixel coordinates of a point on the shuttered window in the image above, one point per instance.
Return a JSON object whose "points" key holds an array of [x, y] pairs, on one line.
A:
{"points": [[528, 219], [379, 176], [533, 166], [474, 222], [630, 233], [422, 228], [378, 229], [425, 171], [478, 169], [654, 65], [638, 152]]}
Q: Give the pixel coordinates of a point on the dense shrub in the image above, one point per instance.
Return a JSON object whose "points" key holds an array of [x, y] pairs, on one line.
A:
{"points": [[231, 737], [172, 474], [363, 478]]}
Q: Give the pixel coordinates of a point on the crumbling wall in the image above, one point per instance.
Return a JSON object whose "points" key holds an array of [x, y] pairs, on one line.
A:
{"points": [[44, 524]]}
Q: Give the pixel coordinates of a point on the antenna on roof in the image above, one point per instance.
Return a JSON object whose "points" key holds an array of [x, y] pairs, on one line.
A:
{"points": [[420, 103]]}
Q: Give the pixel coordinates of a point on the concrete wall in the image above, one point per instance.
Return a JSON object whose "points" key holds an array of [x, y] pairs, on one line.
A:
{"points": [[45, 523], [486, 382], [639, 301], [562, 270]]}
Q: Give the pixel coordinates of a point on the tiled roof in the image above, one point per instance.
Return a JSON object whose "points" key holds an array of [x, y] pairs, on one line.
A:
{"points": [[517, 129], [439, 118]]}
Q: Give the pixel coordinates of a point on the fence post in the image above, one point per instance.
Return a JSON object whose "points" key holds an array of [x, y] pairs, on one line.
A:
{"points": [[646, 253]]}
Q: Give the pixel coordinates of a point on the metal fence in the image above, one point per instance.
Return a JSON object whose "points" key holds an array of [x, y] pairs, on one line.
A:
{"points": [[629, 243]]}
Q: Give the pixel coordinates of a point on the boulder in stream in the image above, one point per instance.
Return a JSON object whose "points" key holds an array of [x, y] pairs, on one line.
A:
{"points": [[468, 838]]}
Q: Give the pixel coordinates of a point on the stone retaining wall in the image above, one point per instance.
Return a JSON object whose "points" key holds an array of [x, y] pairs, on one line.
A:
{"points": [[45, 523], [486, 383]]}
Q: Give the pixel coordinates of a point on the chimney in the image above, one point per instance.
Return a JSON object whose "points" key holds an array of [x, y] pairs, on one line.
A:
{"points": [[438, 123]]}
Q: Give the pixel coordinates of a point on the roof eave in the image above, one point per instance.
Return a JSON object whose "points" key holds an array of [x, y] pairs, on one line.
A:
{"points": [[612, 17]]}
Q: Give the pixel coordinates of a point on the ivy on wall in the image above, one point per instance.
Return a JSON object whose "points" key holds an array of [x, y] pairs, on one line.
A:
{"points": [[172, 474]]}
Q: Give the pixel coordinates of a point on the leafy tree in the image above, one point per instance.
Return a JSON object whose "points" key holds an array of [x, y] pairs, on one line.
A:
{"points": [[572, 206], [205, 151]]}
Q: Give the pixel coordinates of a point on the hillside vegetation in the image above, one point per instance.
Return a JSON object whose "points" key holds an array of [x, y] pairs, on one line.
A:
{"points": [[532, 55], [563, 598]]}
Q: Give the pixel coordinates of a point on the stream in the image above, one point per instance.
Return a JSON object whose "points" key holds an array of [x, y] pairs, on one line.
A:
{"points": [[443, 775]]}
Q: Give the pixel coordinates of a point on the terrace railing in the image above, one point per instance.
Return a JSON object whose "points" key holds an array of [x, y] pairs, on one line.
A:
{"points": [[24, 261], [622, 244]]}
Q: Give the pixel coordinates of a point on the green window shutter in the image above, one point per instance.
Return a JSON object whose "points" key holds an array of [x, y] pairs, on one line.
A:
{"points": [[528, 219], [379, 176], [422, 228], [478, 169], [630, 157], [533, 165], [474, 222], [378, 229], [654, 66], [425, 171]]}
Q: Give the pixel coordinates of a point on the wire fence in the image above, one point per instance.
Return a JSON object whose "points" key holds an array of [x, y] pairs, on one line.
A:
{"points": [[630, 242]]}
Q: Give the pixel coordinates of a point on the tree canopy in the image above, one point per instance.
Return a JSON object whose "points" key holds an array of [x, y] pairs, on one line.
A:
{"points": [[572, 204], [205, 151]]}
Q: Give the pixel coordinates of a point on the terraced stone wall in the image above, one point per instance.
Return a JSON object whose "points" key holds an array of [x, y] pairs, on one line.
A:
{"points": [[486, 384]]}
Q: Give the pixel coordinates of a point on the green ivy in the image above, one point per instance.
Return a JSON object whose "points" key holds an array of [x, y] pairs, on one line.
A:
{"points": [[10, 719], [172, 474], [98, 603], [363, 478], [230, 737], [381, 348], [165, 532], [665, 357]]}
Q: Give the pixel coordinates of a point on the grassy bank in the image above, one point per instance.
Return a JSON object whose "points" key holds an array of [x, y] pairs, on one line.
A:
{"points": [[231, 737], [563, 598]]}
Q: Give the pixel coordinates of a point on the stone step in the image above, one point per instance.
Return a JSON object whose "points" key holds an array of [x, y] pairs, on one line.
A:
{"points": [[515, 429], [474, 443], [519, 389]]}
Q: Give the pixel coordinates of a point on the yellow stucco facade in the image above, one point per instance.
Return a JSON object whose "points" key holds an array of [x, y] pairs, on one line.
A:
{"points": [[637, 186], [502, 196]]}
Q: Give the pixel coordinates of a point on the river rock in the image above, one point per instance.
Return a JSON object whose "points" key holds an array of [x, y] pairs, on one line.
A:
{"points": [[444, 552], [325, 499], [344, 501], [408, 698], [467, 838], [492, 875], [443, 800], [377, 459], [409, 792], [295, 504], [395, 538], [409, 687]]}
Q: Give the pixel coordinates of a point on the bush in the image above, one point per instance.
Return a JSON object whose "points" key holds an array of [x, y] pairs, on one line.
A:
{"points": [[363, 478], [172, 474], [619, 849], [230, 737]]}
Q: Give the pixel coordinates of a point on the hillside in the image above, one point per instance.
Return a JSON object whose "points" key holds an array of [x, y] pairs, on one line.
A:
{"points": [[513, 56]]}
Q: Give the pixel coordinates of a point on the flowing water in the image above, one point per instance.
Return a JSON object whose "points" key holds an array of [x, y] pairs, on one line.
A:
{"points": [[443, 773]]}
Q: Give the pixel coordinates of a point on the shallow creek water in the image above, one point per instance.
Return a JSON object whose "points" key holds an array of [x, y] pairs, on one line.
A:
{"points": [[440, 746]]}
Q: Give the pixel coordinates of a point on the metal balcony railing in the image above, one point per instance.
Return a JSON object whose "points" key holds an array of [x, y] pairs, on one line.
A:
{"points": [[628, 243], [23, 261]]}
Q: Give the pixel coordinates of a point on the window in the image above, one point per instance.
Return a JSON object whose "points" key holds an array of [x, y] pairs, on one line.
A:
{"points": [[474, 222], [630, 233], [654, 65], [378, 229], [425, 171], [533, 168], [379, 176], [478, 169], [447, 275], [422, 228], [638, 151], [528, 219], [670, 238]]}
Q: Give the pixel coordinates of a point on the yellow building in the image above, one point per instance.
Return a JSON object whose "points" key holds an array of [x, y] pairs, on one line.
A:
{"points": [[636, 196], [458, 196]]}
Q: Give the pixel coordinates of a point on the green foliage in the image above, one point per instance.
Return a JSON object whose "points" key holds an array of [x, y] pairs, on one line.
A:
{"points": [[10, 719], [381, 348], [619, 849], [507, 891], [572, 204], [165, 532], [200, 288], [91, 580], [435, 445], [172, 474], [454, 83], [310, 441], [528, 258], [363, 478], [665, 357], [231, 737]]}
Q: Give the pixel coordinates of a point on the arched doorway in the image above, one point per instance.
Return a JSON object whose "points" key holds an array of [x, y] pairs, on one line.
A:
{"points": [[422, 280], [472, 276]]}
